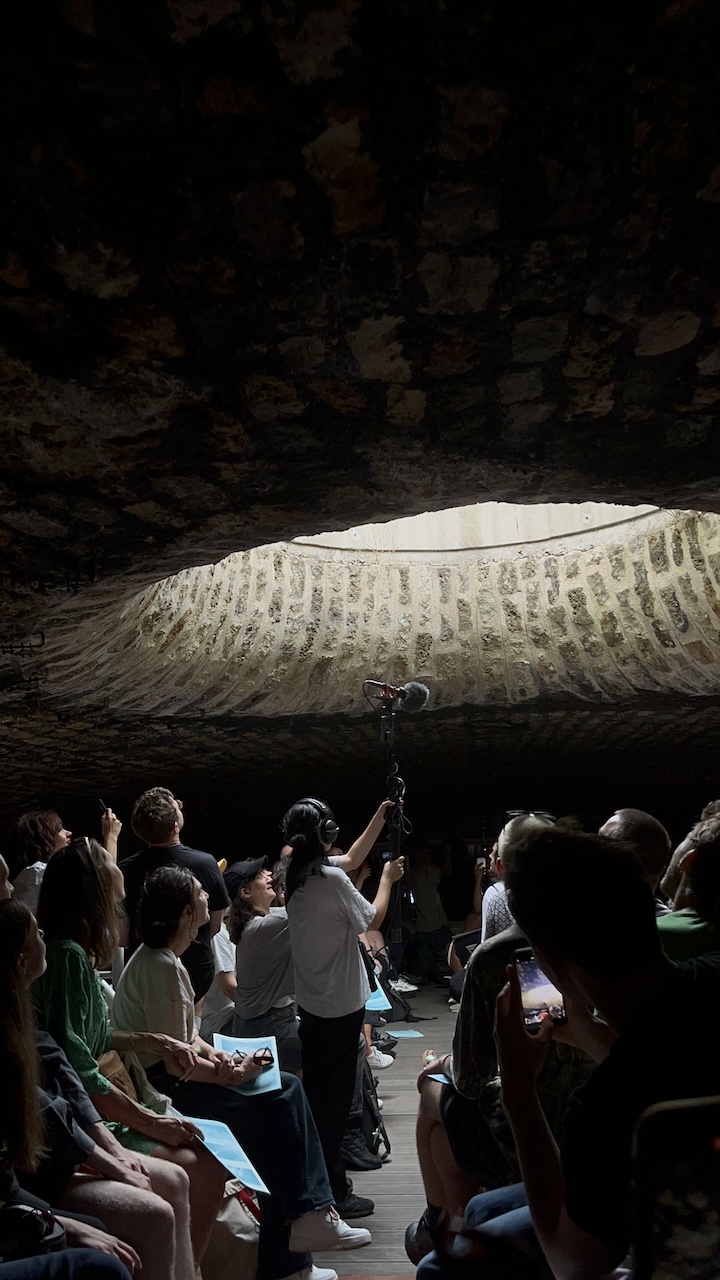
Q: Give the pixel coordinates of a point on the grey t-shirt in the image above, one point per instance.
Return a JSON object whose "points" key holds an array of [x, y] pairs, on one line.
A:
{"points": [[264, 965], [326, 915]]}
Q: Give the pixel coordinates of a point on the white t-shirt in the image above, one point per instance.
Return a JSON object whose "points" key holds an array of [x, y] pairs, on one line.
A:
{"points": [[264, 967], [217, 1008], [155, 994], [27, 885], [326, 915]]}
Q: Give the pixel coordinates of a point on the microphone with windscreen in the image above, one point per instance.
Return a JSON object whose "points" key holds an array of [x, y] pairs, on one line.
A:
{"points": [[411, 696]]}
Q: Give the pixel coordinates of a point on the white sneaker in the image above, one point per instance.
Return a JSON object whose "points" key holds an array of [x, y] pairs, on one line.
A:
{"points": [[379, 1103], [402, 986], [314, 1273], [377, 1060], [325, 1229], [453, 1005]]}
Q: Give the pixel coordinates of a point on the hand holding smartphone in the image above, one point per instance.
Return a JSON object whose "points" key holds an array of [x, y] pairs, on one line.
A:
{"points": [[540, 999]]}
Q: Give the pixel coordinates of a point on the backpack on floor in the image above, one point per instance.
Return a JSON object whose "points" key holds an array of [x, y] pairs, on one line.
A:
{"points": [[399, 1010], [372, 1127]]}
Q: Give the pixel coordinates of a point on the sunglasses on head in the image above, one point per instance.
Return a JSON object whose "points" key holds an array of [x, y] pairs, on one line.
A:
{"points": [[529, 813]]}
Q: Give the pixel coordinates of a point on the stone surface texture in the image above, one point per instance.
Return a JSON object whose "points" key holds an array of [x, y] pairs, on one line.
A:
{"points": [[294, 629], [270, 269]]}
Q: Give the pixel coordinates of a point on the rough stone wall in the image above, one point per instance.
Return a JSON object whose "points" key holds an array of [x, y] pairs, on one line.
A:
{"points": [[293, 630], [268, 268]]}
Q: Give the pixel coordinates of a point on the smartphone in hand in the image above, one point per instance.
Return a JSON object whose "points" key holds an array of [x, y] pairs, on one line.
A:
{"points": [[540, 999]]}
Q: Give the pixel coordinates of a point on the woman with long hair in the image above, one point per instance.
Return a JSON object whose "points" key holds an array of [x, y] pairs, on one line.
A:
{"points": [[326, 914], [78, 910], [38, 835], [24, 1143], [275, 1128]]}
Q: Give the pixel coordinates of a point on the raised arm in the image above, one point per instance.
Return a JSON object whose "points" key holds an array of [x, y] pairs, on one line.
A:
{"points": [[392, 872], [111, 826], [358, 852]]}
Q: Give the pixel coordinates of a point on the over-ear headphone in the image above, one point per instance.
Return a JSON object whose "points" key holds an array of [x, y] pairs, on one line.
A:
{"points": [[327, 828]]}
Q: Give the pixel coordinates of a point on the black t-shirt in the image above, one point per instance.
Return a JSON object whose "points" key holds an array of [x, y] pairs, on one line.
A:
{"points": [[198, 959], [671, 1051]]}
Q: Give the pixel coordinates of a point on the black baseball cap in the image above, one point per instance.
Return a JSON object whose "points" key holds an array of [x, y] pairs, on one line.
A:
{"points": [[241, 873]]}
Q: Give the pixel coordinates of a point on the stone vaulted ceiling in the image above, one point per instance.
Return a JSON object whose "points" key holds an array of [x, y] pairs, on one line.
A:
{"points": [[272, 269], [293, 629]]}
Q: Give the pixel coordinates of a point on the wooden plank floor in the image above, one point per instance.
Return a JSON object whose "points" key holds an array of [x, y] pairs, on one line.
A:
{"points": [[397, 1188]]}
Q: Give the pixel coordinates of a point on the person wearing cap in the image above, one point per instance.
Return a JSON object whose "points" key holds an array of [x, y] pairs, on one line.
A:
{"points": [[265, 981]]}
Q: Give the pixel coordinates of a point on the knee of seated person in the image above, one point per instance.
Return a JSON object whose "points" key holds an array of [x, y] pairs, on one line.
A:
{"points": [[430, 1267], [430, 1095], [290, 1084], [170, 1180], [489, 1206]]}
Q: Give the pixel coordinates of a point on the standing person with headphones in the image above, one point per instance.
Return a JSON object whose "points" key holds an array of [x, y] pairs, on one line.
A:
{"points": [[326, 913]]}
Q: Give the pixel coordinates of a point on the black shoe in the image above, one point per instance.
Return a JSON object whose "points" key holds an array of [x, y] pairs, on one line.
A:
{"points": [[356, 1154], [419, 1240], [355, 1207], [385, 1042]]}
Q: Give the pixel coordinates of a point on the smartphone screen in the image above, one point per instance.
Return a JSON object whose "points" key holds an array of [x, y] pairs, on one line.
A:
{"points": [[677, 1190], [540, 999]]}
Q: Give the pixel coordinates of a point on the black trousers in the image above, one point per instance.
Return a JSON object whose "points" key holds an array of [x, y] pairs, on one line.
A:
{"points": [[329, 1061]]}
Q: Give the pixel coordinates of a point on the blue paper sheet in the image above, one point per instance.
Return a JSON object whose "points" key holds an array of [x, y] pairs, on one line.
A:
{"points": [[378, 1001], [270, 1079], [407, 1035], [226, 1148]]}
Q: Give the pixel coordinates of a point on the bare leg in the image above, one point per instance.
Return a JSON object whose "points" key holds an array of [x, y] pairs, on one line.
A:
{"points": [[428, 1119], [156, 1223], [446, 1186], [207, 1183]]}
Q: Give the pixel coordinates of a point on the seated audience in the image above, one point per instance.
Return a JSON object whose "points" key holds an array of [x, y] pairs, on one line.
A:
{"points": [[325, 914], [463, 1136], [274, 1128], [78, 911], [143, 1202], [671, 881], [89, 1250], [38, 836], [265, 994], [158, 818], [650, 841], [496, 913], [571, 1215], [693, 931]]}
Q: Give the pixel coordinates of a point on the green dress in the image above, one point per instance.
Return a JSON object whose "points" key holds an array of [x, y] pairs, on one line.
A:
{"points": [[71, 1007]]}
